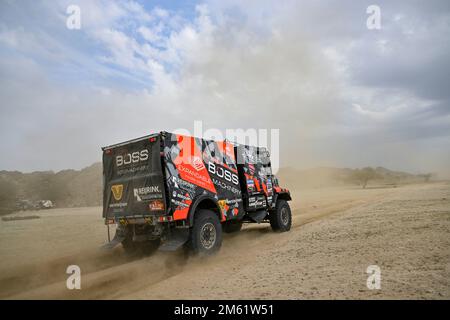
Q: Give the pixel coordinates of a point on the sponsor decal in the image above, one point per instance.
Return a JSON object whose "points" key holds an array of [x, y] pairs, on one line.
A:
{"points": [[250, 185], [181, 196], [257, 202], [223, 173], [118, 205], [156, 205], [223, 206], [180, 203], [197, 163], [226, 204], [117, 191], [182, 207], [181, 184], [132, 158], [190, 164], [225, 186], [132, 170], [233, 201], [147, 193], [199, 178]]}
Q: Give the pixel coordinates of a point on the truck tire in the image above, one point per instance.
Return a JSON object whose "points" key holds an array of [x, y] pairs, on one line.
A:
{"points": [[281, 218], [205, 237], [232, 226]]}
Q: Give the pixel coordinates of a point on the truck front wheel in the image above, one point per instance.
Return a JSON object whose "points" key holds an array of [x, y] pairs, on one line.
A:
{"points": [[281, 217], [206, 234]]}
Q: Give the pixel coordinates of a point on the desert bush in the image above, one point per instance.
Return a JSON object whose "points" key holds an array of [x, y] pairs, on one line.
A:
{"points": [[363, 176]]}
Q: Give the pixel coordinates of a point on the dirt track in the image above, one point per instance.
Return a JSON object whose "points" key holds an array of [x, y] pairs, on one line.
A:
{"points": [[337, 233]]}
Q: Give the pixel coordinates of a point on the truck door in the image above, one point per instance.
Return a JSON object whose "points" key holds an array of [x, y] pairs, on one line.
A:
{"points": [[255, 176]]}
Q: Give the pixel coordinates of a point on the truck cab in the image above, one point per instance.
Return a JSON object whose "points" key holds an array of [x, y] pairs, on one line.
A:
{"points": [[168, 190]]}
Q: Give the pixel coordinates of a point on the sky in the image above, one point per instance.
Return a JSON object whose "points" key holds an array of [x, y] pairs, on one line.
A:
{"points": [[341, 94]]}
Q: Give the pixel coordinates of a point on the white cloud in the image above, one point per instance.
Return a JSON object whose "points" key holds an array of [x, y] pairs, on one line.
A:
{"points": [[233, 65], [151, 35]]}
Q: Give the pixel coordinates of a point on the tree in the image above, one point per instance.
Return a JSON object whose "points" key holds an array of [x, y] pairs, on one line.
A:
{"points": [[363, 176]]}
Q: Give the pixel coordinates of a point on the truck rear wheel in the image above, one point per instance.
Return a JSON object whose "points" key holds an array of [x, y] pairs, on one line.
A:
{"points": [[281, 217], [231, 226], [205, 237]]}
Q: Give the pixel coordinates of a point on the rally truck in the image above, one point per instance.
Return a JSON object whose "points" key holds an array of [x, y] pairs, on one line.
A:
{"points": [[168, 191]]}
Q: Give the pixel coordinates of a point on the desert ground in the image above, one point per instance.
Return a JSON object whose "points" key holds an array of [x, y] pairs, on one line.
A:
{"points": [[337, 233]]}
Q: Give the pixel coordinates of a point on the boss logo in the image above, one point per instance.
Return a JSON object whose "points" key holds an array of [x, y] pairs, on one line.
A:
{"points": [[223, 173], [133, 157]]}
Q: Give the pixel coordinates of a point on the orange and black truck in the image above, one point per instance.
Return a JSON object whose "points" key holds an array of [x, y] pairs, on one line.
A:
{"points": [[168, 191]]}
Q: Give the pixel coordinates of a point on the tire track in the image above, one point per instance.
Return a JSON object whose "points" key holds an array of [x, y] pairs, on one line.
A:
{"points": [[113, 275]]}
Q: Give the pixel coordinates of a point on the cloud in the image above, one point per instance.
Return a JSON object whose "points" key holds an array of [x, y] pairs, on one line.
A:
{"points": [[340, 93]]}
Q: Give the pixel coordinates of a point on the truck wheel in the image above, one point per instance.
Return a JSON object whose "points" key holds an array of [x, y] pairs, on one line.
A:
{"points": [[205, 237], [232, 226], [281, 217]]}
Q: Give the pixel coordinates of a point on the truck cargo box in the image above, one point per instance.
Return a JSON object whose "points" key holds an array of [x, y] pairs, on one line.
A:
{"points": [[198, 168], [133, 178]]}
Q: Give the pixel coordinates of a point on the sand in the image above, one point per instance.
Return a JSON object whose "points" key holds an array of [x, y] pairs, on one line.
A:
{"points": [[337, 233]]}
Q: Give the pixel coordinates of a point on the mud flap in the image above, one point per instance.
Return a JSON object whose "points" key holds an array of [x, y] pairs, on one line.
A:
{"points": [[177, 238], [113, 243]]}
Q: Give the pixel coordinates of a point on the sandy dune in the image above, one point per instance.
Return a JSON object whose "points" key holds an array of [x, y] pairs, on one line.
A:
{"points": [[337, 233]]}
